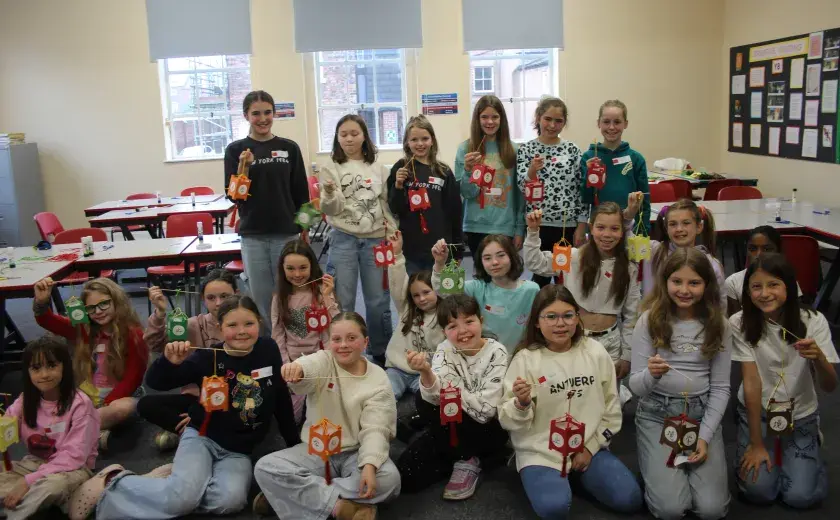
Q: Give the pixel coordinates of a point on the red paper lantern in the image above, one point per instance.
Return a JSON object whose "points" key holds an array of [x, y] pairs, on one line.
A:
{"points": [[451, 411], [534, 191], [317, 319], [482, 176], [383, 254], [566, 436], [596, 174], [680, 433], [418, 199], [325, 440]]}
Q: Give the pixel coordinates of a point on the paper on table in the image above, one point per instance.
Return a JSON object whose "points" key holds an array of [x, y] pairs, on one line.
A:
{"points": [[757, 77], [792, 135], [755, 136], [738, 135], [827, 134], [812, 112], [755, 105], [796, 107], [773, 143], [829, 96], [797, 71], [739, 84], [812, 80], [809, 142]]}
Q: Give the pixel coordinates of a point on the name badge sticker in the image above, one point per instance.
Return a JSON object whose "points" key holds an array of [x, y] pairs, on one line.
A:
{"points": [[280, 153], [100, 348], [263, 372], [436, 181], [621, 160], [495, 192], [58, 427], [496, 310]]}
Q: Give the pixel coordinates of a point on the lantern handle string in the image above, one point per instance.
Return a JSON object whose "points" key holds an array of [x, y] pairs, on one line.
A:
{"points": [[781, 375], [310, 281], [563, 236], [672, 368]]}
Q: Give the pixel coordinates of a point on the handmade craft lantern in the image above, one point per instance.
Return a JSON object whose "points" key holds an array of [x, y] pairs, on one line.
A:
{"points": [[452, 279], [214, 394], [638, 248], [561, 258], [566, 436], [8, 431], [325, 440], [176, 326], [596, 174], [482, 176], [307, 216], [317, 319], [680, 433], [76, 311], [239, 187], [383, 254], [534, 191], [779, 417], [451, 411], [418, 199]]}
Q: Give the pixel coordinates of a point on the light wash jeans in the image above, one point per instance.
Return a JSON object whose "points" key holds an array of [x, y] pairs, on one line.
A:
{"points": [[402, 381], [293, 482], [205, 479], [672, 492], [351, 258], [801, 481], [607, 479], [260, 254]]}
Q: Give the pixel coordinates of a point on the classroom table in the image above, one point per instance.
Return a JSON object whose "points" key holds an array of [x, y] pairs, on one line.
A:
{"points": [[215, 248], [133, 254], [31, 265], [124, 219], [104, 207], [654, 175], [218, 209]]}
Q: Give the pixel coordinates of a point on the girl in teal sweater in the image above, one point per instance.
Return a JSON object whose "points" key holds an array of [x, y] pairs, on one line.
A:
{"points": [[503, 210], [626, 168]]}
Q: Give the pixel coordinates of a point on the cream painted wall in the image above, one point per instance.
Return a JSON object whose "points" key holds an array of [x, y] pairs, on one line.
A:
{"points": [[75, 76], [753, 21]]}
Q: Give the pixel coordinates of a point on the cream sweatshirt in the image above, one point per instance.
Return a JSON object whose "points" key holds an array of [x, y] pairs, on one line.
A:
{"points": [[364, 406], [588, 370], [359, 204]]}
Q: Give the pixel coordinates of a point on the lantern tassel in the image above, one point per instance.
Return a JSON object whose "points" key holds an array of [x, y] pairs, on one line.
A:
{"points": [[206, 422], [481, 197], [641, 275], [327, 475], [453, 435], [423, 226], [671, 458], [563, 473], [385, 273], [778, 451], [320, 345], [7, 462]]}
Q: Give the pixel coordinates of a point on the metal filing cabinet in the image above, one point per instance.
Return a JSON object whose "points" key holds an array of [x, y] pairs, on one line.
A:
{"points": [[21, 195]]}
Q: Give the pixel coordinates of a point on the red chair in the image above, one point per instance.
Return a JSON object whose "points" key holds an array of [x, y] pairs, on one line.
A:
{"points": [[48, 225], [739, 193], [235, 266], [661, 192], [321, 229], [198, 190], [715, 186], [314, 187], [682, 188], [803, 253], [74, 236]]}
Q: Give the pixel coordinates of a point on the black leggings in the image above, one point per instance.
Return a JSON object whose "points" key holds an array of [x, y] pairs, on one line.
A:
{"points": [[429, 458], [548, 237], [165, 410]]}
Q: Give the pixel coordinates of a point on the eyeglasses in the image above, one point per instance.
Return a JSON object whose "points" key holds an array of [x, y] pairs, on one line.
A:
{"points": [[102, 306], [553, 318]]}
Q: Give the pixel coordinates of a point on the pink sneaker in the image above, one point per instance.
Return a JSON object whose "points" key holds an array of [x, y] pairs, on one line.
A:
{"points": [[463, 481]]}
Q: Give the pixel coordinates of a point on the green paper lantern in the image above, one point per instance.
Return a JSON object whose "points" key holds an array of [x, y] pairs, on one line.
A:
{"points": [[452, 279], [176, 326], [76, 311], [308, 216]]}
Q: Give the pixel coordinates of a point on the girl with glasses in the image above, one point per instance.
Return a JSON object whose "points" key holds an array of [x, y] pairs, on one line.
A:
{"points": [[109, 353], [554, 369]]}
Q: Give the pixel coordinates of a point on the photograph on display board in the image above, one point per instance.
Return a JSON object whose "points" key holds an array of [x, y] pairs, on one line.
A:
{"points": [[775, 114], [831, 59]]}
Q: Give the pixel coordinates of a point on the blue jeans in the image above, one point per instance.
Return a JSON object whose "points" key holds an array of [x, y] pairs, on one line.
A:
{"points": [[607, 479], [351, 258], [402, 381], [205, 479], [801, 481], [260, 254]]}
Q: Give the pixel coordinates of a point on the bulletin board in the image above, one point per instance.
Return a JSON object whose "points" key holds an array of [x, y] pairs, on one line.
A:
{"points": [[783, 97]]}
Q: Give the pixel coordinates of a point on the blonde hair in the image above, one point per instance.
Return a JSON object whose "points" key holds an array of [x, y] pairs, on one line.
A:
{"points": [[422, 123], [613, 103], [125, 318]]}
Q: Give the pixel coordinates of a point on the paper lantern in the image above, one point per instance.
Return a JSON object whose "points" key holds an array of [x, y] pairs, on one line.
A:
{"points": [[308, 216], [239, 187], [214, 394], [638, 248], [176, 326], [76, 311], [317, 319], [418, 199], [8, 431], [383, 254], [561, 258], [779, 417], [451, 411], [596, 174], [680, 433], [325, 440], [482, 176], [452, 279], [534, 191], [566, 436]]}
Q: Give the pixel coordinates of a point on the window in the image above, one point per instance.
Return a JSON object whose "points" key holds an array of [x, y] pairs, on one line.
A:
{"points": [[483, 80], [370, 83], [202, 104], [519, 77]]}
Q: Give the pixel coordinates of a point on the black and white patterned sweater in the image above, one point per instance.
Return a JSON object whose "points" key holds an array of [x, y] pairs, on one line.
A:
{"points": [[561, 177]]}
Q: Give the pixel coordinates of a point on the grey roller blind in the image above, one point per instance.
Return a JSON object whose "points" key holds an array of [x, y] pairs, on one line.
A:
{"points": [[185, 28], [333, 25], [512, 24]]}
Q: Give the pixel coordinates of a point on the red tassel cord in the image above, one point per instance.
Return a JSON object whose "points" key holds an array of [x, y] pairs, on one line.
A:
{"points": [[320, 345], [423, 226], [641, 274], [327, 475], [563, 472], [481, 197], [671, 458], [453, 435], [7, 462], [206, 422], [778, 451], [385, 277]]}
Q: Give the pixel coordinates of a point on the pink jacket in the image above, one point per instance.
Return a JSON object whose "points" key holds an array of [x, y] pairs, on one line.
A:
{"points": [[294, 340], [67, 442]]}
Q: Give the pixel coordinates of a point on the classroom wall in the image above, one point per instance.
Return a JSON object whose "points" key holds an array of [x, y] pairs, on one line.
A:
{"points": [[753, 21], [75, 76]]}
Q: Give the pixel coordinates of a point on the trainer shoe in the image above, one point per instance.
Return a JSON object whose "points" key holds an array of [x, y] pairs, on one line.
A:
{"points": [[260, 505], [166, 441], [463, 481]]}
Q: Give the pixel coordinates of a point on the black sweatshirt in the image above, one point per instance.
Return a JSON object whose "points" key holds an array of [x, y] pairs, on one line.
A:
{"points": [[443, 219], [278, 185], [251, 400]]}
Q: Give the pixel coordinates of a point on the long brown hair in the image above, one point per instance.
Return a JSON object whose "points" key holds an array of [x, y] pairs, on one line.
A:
{"points": [[590, 258], [414, 314], [708, 311], [369, 150], [285, 289], [549, 294], [700, 213], [422, 123], [506, 152], [544, 105], [125, 320]]}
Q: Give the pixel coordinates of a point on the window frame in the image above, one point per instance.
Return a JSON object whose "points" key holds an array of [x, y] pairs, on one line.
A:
{"points": [[484, 78], [553, 71], [164, 74], [353, 108]]}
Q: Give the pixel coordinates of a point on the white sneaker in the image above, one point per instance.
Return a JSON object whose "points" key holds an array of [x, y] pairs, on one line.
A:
{"points": [[624, 395]]}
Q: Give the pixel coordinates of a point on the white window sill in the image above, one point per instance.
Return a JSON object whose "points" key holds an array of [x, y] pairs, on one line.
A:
{"points": [[194, 159], [392, 148]]}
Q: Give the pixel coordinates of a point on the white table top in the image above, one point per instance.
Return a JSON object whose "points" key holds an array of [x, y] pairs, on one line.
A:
{"points": [[226, 243], [743, 215], [139, 203], [134, 249], [122, 215], [31, 265], [208, 207]]}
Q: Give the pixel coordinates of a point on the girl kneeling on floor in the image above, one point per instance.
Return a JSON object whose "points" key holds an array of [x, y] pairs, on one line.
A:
{"points": [[554, 363], [59, 427], [211, 473], [475, 366], [352, 393]]}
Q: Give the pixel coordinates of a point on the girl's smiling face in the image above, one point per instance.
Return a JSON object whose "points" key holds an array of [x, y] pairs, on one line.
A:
{"points": [[464, 332], [495, 260], [490, 121], [419, 142], [758, 245], [606, 232], [552, 122], [297, 269], [260, 116], [100, 308], [241, 329], [215, 293], [767, 292], [558, 323], [612, 124], [683, 228], [685, 288], [423, 296], [347, 343]]}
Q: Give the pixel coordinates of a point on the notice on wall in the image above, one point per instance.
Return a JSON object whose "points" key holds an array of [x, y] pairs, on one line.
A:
{"points": [[829, 96], [284, 110], [792, 135], [812, 112], [438, 104], [757, 77], [827, 134], [755, 136], [797, 72], [809, 143], [796, 107], [738, 135], [755, 105], [774, 137], [739, 85], [812, 80], [815, 49]]}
